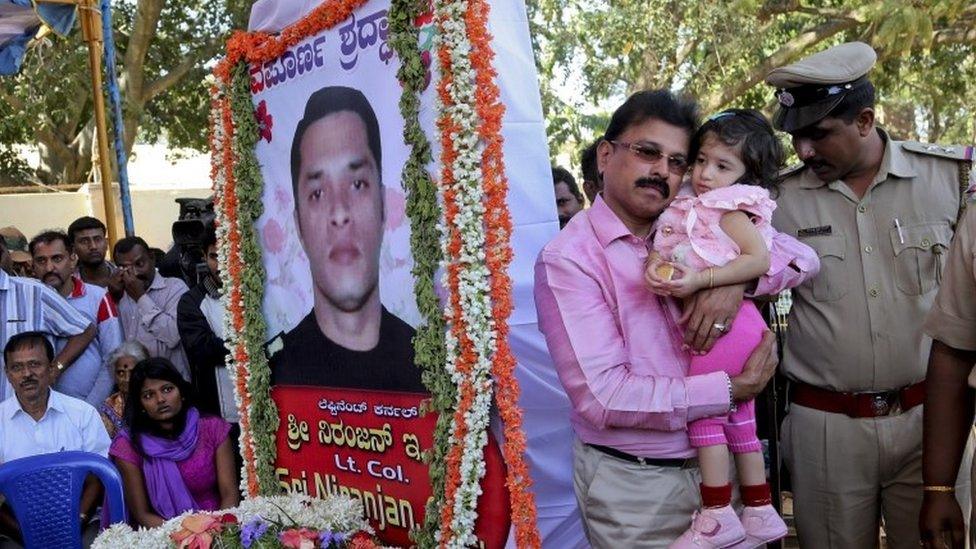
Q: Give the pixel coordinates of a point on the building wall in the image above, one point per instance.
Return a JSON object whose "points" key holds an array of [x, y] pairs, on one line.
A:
{"points": [[153, 210]]}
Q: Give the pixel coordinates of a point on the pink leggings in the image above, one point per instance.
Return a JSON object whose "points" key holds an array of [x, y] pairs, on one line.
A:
{"points": [[738, 429]]}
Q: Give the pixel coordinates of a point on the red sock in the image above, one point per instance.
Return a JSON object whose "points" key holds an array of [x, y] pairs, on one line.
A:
{"points": [[716, 496], [755, 496]]}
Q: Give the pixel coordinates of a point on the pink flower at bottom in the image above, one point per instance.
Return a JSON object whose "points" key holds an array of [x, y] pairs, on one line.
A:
{"points": [[196, 531], [298, 538]]}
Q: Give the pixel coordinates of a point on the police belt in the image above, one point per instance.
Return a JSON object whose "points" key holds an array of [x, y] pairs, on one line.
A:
{"points": [[658, 462], [858, 405]]}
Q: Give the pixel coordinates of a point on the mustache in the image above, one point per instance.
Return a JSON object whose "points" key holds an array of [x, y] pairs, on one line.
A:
{"points": [[815, 163], [654, 183]]}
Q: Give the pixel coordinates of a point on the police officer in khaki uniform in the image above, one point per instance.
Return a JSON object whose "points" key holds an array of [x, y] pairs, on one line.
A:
{"points": [[880, 213], [950, 399]]}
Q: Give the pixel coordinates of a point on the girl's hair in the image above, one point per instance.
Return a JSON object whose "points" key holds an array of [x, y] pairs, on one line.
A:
{"points": [[128, 348], [759, 149], [136, 418]]}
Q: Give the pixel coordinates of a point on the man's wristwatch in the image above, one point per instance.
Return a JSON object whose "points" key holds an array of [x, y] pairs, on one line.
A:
{"points": [[59, 365]]}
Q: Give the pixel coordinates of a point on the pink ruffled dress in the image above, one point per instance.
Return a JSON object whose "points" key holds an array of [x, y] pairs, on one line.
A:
{"points": [[689, 233]]}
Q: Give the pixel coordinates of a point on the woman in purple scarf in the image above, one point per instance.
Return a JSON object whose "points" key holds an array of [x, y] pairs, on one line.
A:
{"points": [[171, 459]]}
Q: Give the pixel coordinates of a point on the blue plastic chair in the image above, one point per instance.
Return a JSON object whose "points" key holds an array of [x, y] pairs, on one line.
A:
{"points": [[45, 493]]}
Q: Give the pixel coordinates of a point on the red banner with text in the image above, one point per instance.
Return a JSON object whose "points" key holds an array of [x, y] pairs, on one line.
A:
{"points": [[369, 445]]}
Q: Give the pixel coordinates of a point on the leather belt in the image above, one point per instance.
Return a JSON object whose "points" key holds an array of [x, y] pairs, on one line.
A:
{"points": [[659, 462], [858, 405]]}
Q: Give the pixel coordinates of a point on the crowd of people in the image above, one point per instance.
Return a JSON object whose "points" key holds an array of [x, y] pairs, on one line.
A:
{"points": [[646, 299], [112, 357]]}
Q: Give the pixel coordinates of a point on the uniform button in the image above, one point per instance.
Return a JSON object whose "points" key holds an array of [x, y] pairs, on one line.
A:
{"points": [[868, 248], [873, 292], [926, 243], [666, 230], [862, 208]]}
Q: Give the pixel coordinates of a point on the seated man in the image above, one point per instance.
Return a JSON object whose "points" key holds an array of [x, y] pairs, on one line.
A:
{"points": [[38, 420]]}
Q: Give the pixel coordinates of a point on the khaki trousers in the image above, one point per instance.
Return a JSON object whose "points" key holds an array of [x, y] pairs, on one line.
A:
{"points": [[850, 474], [628, 505]]}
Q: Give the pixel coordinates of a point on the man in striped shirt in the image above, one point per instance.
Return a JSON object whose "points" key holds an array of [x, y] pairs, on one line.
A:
{"points": [[89, 379], [28, 305]]}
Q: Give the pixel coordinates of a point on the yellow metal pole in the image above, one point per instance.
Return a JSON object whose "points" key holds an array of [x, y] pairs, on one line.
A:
{"points": [[91, 28]]}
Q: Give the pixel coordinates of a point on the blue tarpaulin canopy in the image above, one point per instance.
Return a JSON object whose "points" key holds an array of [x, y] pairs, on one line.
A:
{"points": [[19, 22]]}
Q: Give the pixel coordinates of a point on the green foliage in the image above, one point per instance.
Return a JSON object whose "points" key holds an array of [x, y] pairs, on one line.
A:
{"points": [[14, 171], [164, 49], [719, 52], [188, 27]]}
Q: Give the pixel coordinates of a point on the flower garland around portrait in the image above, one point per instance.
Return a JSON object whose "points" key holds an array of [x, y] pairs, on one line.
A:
{"points": [[462, 348], [456, 525], [498, 231], [475, 240], [228, 258], [424, 213]]}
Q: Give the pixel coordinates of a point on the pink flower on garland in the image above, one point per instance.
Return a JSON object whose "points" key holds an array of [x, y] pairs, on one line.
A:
{"points": [[299, 538], [197, 531], [265, 120]]}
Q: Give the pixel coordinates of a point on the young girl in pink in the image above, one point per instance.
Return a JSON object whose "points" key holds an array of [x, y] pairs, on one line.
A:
{"points": [[717, 232]]}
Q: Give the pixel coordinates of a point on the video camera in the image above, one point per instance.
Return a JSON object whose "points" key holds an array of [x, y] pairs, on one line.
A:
{"points": [[189, 232]]}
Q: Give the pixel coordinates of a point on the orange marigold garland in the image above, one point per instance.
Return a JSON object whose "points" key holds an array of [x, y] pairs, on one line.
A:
{"points": [[476, 245], [498, 229], [222, 161]]}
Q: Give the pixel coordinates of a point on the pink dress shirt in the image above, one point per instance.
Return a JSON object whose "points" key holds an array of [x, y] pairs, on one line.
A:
{"points": [[615, 345]]}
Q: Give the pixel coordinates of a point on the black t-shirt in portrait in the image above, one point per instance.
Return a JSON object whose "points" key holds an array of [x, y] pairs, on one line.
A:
{"points": [[305, 356]]}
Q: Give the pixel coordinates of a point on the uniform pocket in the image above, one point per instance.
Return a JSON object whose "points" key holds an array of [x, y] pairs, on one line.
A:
{"points": [[920, 255], [831, 283]]}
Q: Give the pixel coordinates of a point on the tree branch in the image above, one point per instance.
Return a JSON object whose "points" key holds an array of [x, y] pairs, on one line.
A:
{"points": [[15, 103], [143, 30], [963, 32], [787, 53], [174, 75]]}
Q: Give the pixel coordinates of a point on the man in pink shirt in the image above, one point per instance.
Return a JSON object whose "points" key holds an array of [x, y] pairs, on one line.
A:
{"points": [[620, 355]]}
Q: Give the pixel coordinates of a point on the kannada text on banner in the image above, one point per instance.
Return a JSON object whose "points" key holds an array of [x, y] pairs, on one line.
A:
{"points": [[369, 445]]}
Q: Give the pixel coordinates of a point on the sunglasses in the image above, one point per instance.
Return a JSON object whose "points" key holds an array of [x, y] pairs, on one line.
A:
{"points": [[678, 165]]}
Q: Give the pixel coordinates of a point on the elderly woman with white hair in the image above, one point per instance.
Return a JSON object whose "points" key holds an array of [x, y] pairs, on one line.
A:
{"points": [[120, 361]]}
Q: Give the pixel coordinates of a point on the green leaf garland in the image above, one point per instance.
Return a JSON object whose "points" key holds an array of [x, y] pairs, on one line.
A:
{"points": [[250, 186], [424, 213]]}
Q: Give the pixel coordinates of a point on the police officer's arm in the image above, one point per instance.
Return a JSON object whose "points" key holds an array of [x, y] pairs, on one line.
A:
{"points": [[948, 417]]}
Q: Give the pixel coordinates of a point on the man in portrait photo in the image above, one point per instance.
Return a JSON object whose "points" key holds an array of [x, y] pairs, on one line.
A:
{"points": [[349, 339]]}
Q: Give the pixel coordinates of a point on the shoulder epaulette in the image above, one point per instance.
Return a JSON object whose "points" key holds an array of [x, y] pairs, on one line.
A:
{"points": [[952, 152], [791, 170], [276, 344]]}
